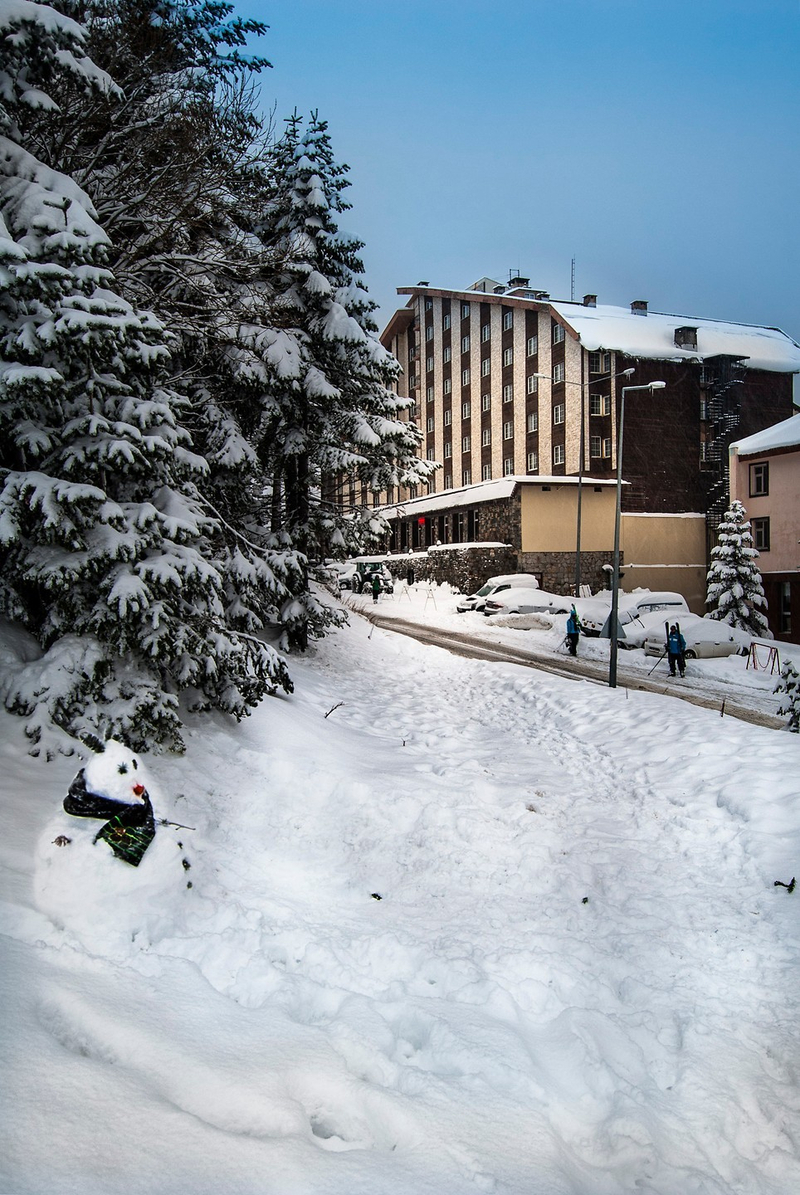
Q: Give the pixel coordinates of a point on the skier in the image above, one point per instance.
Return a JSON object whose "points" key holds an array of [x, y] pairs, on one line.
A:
{"points": [[675, 647], [573, 631], [376, 586]]}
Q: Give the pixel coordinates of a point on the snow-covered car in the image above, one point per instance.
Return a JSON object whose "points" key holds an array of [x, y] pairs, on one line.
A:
{"points": [[633, 605], [494, 585], [519, 600], [705, 638]]}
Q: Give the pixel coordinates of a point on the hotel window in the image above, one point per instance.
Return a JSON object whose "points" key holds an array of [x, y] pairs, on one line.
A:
{"points": [[466, 477], [428, 304], [448, 417], [595, 447], [508, 356], [508, 393], [533, 345], [533, 421], [508, 466], [558, 413], [448, 481], [486, 331], [703, 409], [465, 310], [759, 480], [508, 429], [599, 363], [558, 333], [486, 437], [486, 367], [532, 384], [785, 608], [558, 454], [432, 484], [558, 372], [446, 321], [508, 320], [761, 534], [466, 443], [429, 394], [465, 376], [595, 404], [465, 344], [412, 410], [448, 450], [486, 402], [429, 364], [486, 472], [446, 353], [429, 332], [447, 386], [607, 447], [429, 424], [533, 462], [431, 455], [466, 410]]}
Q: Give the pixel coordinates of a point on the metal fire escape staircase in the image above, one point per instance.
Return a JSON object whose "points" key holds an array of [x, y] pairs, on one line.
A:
{"points": [[721, 378]]}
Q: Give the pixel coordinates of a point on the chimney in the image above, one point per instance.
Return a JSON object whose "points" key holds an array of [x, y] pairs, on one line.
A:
{"points": [[590, 300], [517, 279], [639, 307], [422, 284]]}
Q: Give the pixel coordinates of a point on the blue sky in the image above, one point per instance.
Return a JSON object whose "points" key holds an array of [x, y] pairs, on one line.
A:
{"points": [[655, 141]]}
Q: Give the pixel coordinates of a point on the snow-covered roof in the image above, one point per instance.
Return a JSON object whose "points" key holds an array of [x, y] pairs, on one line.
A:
{"points": [[785, 434], [653, 336], [482, 491], [649, 334]]}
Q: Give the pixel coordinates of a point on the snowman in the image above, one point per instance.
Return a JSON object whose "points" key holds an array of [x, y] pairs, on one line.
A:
{"points": [[103, 873]]}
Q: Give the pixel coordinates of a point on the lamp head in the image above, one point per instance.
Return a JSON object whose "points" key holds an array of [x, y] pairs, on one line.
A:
{"points": [[657, 386], [627, 373]]}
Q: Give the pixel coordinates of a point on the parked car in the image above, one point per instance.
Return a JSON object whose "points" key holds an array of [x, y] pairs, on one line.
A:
{"points": [[494, 585], [520, 600], [705, 638], [632, 605]]}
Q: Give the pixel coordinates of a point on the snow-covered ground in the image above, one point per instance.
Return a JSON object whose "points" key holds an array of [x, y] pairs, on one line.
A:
{"points": [[580, 978], [715, 679]]}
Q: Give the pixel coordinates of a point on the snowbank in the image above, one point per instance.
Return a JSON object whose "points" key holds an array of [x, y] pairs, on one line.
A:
{"points": [[579, 978]]}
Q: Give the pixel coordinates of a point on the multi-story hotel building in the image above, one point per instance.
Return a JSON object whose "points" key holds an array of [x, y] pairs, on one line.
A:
{"points": [[501, 377]]}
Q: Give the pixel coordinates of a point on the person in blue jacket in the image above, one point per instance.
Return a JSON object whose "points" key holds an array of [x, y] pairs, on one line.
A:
{"points": [[676, 648], [573, 631]]}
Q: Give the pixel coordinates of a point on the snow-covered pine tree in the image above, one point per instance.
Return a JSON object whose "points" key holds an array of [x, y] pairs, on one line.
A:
{"points": [[735, 591], [789, 684], [175, 172], [107, 549], [330, 409]]}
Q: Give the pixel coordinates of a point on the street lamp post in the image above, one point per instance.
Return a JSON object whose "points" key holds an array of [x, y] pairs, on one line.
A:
{"points": [[614, 616], [626, 373]]}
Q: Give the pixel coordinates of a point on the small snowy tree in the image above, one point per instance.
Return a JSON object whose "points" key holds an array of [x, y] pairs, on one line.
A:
{"points": [[790, 685], [735, 591]]}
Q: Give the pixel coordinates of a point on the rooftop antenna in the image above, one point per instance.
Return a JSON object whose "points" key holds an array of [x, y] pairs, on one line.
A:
{"points": [[572, 283]]}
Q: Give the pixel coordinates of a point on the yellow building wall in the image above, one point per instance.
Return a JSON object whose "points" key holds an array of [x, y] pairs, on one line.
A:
{"points": [[549, 518], [665, 552]]}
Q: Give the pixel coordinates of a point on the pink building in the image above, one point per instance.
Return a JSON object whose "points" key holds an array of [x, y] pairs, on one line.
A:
{"points": [[765, 477]]}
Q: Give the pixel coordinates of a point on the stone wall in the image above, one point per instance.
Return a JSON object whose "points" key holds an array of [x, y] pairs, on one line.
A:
{"points": [[556, 570], [466, 569]]}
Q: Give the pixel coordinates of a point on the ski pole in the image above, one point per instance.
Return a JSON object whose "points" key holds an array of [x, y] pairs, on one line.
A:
{"points": [[658, 661]]}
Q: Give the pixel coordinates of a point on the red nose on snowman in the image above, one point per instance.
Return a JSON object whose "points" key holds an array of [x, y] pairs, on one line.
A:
{"points": [[138, 789]]}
